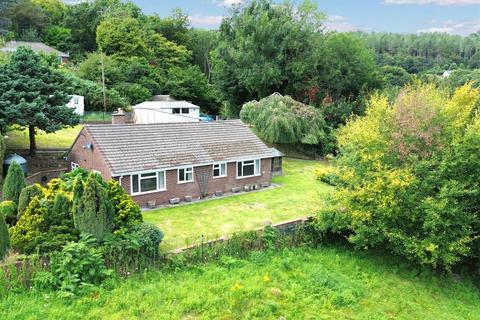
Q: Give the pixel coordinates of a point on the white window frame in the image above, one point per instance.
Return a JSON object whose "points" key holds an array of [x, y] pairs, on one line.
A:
{"points": [[140, 178], [74, 165], [218, 166], [185, 171], [257, 168]]}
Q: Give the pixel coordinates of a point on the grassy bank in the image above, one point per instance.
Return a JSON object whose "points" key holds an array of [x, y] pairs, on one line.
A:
{"points": [[61, 139], [324, 283], [298, 196]]}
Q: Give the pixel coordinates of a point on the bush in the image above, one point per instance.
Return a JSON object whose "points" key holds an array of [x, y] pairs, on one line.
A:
{"points": [[408, 177], [14, 182], [4, 238], [45, 226], [134, 250], [26, 196], [127, 211], [327, 175], [149, 237], [94, 212], [76, 268], [8, 210]]}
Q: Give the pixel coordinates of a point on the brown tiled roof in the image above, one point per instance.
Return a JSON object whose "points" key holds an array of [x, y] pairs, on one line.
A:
{"points": [[137, 147]]}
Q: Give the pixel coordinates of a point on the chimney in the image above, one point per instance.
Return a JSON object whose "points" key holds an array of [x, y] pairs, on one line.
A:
{"points": [[119, 117]]}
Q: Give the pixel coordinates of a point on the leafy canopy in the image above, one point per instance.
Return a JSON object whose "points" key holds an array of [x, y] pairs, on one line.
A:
{"points": [[407, 177], [280, 119]]}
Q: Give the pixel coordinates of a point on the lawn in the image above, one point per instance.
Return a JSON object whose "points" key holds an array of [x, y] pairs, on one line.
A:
{"points": [[297, 196], [303, 283], [61, 139]]}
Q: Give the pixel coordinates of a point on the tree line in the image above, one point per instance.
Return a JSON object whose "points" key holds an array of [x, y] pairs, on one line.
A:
{"points": [[259, 49]]}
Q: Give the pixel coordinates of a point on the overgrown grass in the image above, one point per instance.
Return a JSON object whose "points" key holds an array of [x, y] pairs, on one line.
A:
{"points": [[303, 283], [297, 197], [62, 139]]}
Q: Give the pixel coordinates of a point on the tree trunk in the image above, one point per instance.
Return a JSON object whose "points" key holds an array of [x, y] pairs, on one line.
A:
{"points": [[33, 144]]}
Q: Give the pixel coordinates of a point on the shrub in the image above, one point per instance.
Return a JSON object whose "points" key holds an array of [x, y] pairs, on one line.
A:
{"points": [[127, 211], [8, 210], [45, 226], [26, 196], [149, 237], [4, 238], [94, 213], [327, 175], [14, 182], [408, 174], [77, 267]]}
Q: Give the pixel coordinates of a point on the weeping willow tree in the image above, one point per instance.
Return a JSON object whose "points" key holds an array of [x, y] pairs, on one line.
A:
{"points": [[282, 120]]}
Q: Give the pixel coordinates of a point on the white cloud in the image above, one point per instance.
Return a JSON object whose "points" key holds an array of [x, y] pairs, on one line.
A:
{"points": [[199, 20], [453, 27], [436, 2], [339, 23], [229, 3]]}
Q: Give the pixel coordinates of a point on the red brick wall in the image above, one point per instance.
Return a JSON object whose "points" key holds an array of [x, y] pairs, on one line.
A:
{"points": [[87, 158], [225, 184]]}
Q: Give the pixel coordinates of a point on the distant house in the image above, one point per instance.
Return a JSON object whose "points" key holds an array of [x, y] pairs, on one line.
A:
{"points": [[171, 162], [78, 104], [167, 111], [38, 47]]}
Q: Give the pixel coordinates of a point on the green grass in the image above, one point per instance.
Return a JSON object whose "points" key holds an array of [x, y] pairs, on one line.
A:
{"points": [[324, 283], [97, 116], [61, 139], [297, 197]]}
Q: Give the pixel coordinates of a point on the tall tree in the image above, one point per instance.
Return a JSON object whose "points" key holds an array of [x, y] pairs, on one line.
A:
{"points": [[30, 96], [265, 48]]}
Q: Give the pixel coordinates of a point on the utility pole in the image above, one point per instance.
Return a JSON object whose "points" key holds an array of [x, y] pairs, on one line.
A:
{"points": [[103, 86]]}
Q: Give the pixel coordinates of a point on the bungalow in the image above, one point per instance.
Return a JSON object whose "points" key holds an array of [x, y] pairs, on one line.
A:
{"points": [[38, 47], [168, 162]]}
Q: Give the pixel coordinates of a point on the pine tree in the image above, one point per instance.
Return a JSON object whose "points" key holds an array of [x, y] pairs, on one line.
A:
{"points": [[4, 238], [77, 207], [14, 183], [95, 213], [31, 96], [26, 195]]}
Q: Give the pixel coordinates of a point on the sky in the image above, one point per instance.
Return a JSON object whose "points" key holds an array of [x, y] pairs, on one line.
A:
{"points": [[406, 16]]}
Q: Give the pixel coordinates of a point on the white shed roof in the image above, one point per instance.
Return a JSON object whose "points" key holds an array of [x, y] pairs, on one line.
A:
{"points": [[165, 105]]}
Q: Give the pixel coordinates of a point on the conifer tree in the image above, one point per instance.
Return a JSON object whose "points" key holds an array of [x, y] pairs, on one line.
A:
{"points": [[94, 215], [4, 239], [14, 183], [26, 195]]}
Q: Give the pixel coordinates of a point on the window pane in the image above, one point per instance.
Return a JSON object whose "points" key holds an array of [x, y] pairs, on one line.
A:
{"points": [[189, 176], [181, 174], [223, 169], [161, 180], [149, 184], [248, 170], [150, 174], [176, 110], [185, 110], [216, 172], [135, 183], [257, 166], [239, 169]]}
